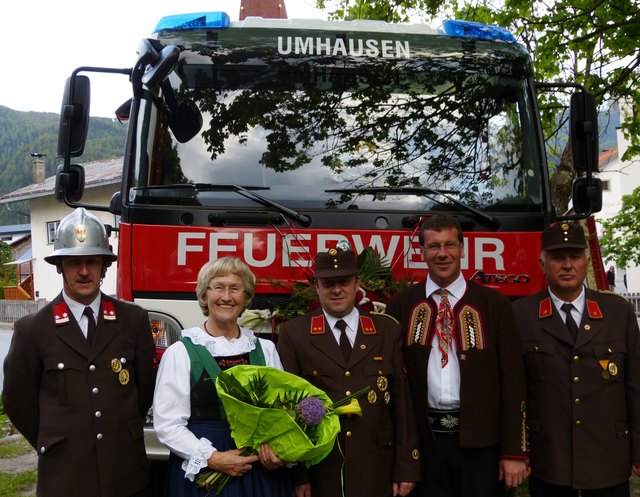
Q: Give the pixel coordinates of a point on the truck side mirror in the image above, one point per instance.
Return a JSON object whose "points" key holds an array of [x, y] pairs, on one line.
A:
{"points": [[587, 195], [74, 117], [69, 185], [583, 131]]}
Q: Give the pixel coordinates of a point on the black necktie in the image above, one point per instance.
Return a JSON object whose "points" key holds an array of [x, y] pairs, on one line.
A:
{"points": [[91, 324], [571, 324], [345, 346]]}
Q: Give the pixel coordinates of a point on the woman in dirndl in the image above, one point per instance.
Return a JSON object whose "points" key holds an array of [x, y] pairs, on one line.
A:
{"points": [[187, 415]]}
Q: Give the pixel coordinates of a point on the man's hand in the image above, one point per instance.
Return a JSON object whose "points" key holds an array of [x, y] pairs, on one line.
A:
{"points": [[402, 488], [513, 472], [303, 490]]}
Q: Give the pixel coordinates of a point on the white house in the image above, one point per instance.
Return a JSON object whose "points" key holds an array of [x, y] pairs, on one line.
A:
{"points": [[102, 180], [618, 179]]}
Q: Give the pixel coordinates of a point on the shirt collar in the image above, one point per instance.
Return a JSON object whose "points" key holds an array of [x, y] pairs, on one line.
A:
{"points": [[77, 309], [456, 289], [351, 319], [578, 303]]}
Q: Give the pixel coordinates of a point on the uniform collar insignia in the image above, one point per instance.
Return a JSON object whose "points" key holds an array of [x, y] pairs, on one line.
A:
{"points": [[593, 309], [545, 308], [368, 327], [108, 311], [317, 325], [61, 313]]}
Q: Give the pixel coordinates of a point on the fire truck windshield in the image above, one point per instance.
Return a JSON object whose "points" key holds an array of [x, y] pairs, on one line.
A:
{"points": [[342, 133]]}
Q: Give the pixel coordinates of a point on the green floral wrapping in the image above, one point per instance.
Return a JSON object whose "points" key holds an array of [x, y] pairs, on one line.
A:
{"points": [[251, 425]]}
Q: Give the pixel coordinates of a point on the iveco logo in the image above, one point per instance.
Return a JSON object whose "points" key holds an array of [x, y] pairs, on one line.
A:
{"points": [[500, 279]]}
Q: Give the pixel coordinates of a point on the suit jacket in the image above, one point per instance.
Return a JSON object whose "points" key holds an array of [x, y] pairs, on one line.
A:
{"points": [[492, 384], [380, 446], [583, 397], [82, 406]]}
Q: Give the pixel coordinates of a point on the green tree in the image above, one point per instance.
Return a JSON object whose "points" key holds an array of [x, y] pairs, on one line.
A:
{"points": [[590, 42], [8, 273], [620, 241]]}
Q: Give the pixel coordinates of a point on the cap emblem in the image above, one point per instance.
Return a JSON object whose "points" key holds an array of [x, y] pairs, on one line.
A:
{"points": [[81, 233]]}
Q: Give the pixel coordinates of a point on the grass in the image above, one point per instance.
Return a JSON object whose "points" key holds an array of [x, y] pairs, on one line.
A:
{"points": [[16, 484], [14, 448]]}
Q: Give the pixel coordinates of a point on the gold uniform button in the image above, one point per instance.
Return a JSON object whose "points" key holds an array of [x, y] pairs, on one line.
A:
{"points": [[536, 348], [347, 393], [315, 373], [577, 401], [348, 434], [347, 373], [578, 422], [576, 379], [576, 358]]}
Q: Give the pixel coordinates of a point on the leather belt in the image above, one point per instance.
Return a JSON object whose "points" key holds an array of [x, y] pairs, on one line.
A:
{"points": [[445, 421]]}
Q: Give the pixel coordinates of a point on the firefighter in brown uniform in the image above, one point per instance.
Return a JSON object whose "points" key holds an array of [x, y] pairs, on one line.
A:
{"points": [[341, 350], [583, 377], [78, 391], [466, 373]]}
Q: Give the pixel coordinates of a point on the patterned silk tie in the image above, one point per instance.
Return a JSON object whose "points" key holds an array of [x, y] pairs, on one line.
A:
{"points": [[444, 326], [570, 322], [91, 324], [345, 345]]}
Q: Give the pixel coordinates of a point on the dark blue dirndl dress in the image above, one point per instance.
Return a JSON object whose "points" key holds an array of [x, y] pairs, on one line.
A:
{"points": [[206, 422]]}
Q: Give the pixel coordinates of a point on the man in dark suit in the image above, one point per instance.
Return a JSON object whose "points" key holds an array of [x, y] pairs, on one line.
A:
{"points": [[79, 375], [466, 373], [341, 350], [582, 360]]}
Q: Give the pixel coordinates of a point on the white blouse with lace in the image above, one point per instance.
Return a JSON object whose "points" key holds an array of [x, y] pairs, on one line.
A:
{"points": [[172, 397]]}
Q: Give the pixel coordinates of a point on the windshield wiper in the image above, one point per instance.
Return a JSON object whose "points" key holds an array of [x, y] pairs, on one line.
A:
{"points": [[423, 191], [245, 191]]}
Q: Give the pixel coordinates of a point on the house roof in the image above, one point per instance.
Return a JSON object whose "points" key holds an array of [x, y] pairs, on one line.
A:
{"points": [[15, 229], [607, 156], [98, 173]]}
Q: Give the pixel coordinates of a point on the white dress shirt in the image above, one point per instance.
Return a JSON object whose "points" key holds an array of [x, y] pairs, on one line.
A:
{"points": [[351, 319], [578, 306], [444, 383], [77, 309]]}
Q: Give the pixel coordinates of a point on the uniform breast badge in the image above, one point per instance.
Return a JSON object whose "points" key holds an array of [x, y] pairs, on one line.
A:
{"points": [[382, 383], [123, 376], [116, 365], [372, 397]]}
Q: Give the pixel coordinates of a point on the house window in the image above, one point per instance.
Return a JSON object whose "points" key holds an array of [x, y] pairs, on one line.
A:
{"points": [[606, 187], [52, 227]]}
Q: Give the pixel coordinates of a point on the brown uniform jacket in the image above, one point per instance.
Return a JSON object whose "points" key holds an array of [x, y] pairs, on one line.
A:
{"points": [[83, 418], [380, 446], [492, 384], [584, 397]]}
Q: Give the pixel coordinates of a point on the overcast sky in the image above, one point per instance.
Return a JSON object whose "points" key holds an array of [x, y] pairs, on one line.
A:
{"points": [[43, 41]]}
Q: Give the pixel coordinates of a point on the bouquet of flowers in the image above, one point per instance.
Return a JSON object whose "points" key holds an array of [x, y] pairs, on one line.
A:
{"points": [[264, 404]]}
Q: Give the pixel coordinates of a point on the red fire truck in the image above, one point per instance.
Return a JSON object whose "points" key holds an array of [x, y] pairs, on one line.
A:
{"points": [[272, 140]]}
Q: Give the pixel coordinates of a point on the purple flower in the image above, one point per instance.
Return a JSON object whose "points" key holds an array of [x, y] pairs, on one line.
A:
{"points": [[311, 411]]}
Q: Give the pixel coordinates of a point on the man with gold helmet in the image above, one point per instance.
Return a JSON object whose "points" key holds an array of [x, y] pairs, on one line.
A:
{"points": [[581, 350], [79, 375], [341, 350]]}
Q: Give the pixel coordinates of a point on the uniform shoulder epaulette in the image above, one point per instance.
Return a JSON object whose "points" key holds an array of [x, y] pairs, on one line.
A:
{"points": [[374, 313]]}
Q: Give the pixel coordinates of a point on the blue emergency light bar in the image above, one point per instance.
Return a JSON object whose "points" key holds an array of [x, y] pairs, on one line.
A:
{"points": [[193, 21], [476, 31]]}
